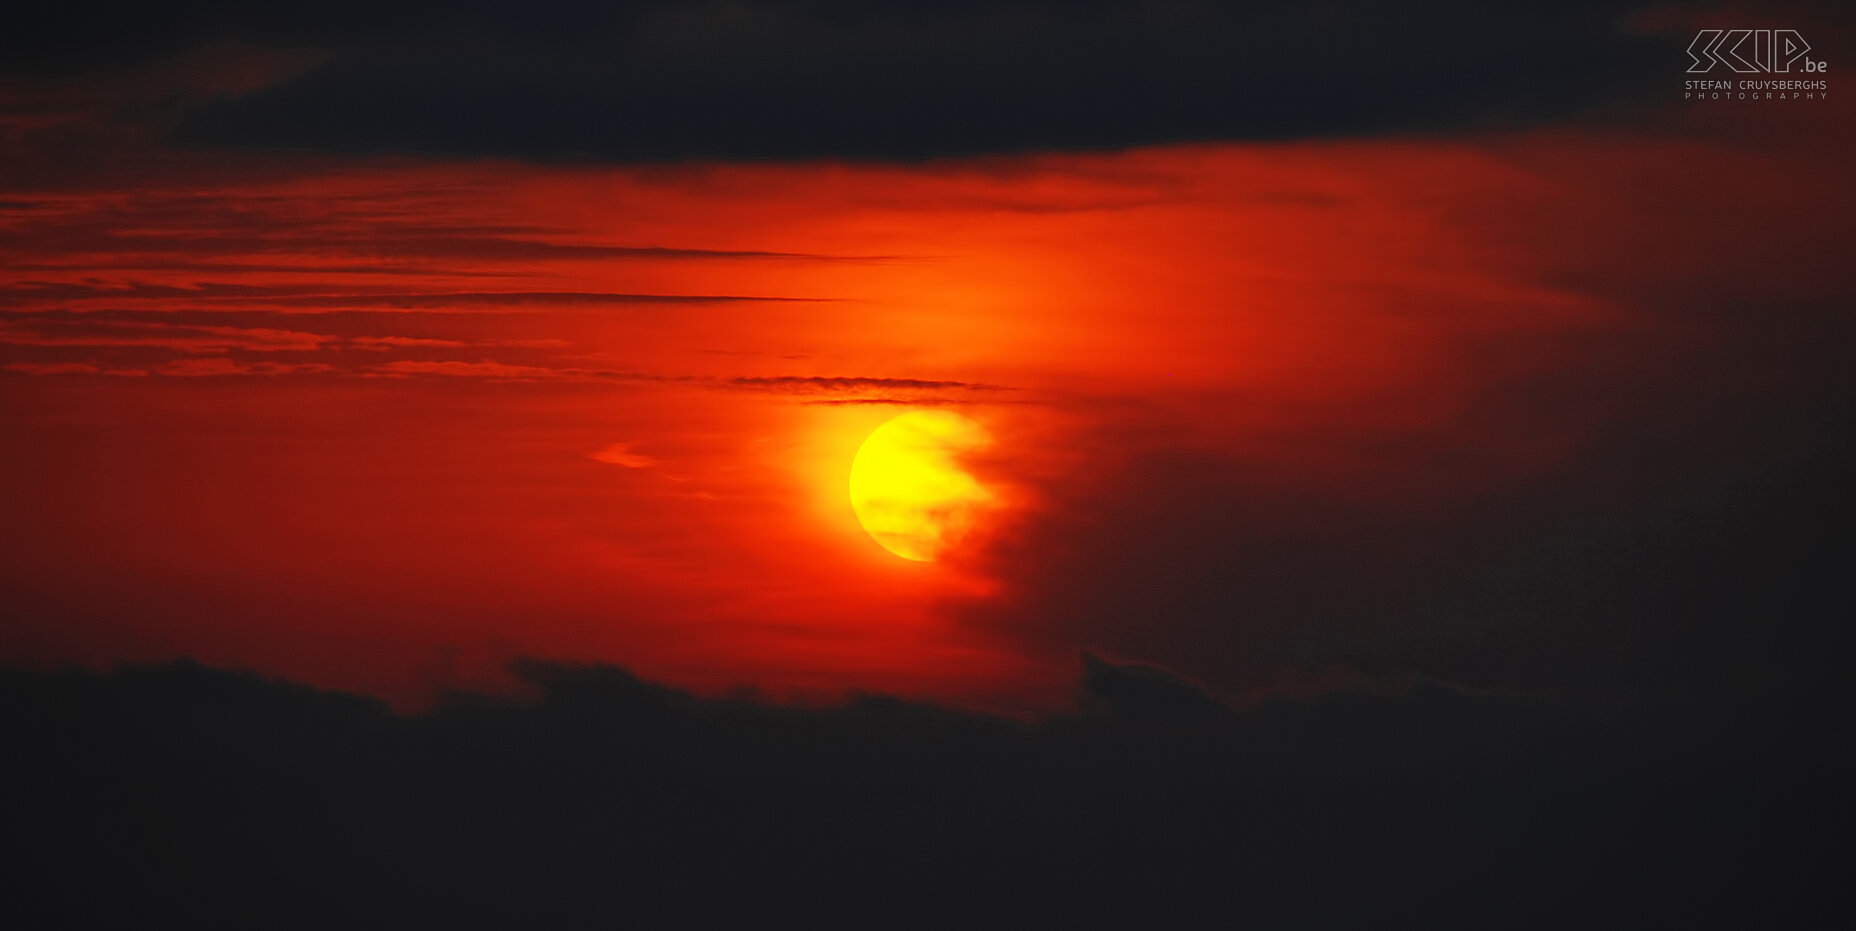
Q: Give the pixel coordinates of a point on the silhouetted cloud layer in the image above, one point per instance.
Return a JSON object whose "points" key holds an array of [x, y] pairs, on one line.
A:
{"points": [[184, 795], [800, 78], [1695, 561]]}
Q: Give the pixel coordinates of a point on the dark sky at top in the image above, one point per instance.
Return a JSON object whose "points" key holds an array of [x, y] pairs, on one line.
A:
{"points": [[892, 79]]}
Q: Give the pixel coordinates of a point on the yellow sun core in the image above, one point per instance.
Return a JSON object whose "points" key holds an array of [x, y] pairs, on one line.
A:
{"points": [[908, 487]]}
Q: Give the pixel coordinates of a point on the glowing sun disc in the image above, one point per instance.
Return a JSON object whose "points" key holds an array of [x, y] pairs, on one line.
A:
{"points": [[908, 487]]}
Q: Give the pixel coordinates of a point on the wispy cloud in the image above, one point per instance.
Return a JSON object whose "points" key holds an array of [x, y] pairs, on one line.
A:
{"points": [[218, 365], [298, 296], [620, 454], [817, 384]]}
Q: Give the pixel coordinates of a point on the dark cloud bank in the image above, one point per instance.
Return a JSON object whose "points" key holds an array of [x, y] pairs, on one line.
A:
{"points": [[185, 797], [651, 80], [1694, 555]]}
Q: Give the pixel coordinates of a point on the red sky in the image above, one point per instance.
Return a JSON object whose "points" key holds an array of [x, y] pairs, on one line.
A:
{"points": [[384, 423]]}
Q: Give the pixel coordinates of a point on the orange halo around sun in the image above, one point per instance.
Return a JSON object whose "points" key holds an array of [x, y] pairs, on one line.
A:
{"points": [[908, 487]]}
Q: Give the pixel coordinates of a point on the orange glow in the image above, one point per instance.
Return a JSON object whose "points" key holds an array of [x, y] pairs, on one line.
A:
{"points": [[284, 412]]}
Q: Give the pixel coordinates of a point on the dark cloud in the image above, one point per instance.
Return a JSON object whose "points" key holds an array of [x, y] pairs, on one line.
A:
{"points": [[242, 297], [100, 235], [519, 298], [661, 80], [1148, 694], [924, 401], [184, 796], [806, 384], [240, 342], [1688, 554], [837, 390]]}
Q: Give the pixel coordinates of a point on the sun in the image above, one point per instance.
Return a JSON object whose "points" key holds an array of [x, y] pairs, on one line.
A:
{"points": [[908, 487]]}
